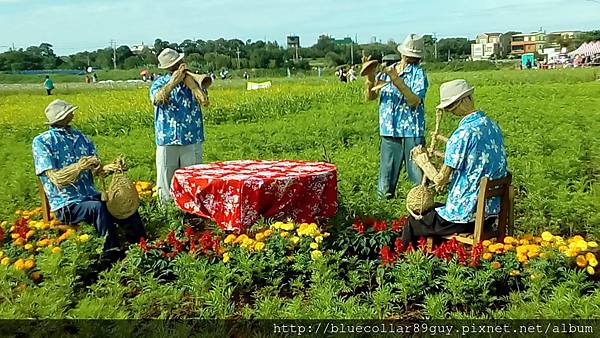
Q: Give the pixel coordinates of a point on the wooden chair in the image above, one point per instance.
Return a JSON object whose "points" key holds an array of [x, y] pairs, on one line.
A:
{"points": [[490, 188], [44, 199]]}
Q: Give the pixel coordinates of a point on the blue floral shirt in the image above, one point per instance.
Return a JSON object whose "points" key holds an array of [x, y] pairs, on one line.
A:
{"points": [[180, 121], [55, 149], [474, 150], [396, 117]]}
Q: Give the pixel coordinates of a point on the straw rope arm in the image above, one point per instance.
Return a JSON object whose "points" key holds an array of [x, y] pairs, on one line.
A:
{"points": [[412, 99], [442, 179], [199, 94], [69, 174], [369, 84], [163, 95]]}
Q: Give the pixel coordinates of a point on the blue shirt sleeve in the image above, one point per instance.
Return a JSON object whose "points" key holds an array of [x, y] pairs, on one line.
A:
{"points": [[420, 84], [456, 150], [156, 86], [42, 157]]}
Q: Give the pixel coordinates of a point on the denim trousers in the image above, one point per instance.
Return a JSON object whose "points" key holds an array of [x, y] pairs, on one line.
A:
{"points": [[394, 153], [96, 213]]}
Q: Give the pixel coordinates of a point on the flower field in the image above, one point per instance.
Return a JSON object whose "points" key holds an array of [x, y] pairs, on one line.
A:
{"points": [[351, 266]]}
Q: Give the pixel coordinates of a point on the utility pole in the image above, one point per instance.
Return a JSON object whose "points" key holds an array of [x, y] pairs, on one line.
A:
{"points": [[238, 57], [435, 46], [113, 44], [297, 58], [352, 52]]}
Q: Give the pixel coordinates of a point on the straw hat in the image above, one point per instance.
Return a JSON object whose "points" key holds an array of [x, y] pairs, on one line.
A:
{"points": [[203, 80], [368, 67], [412, 46], [169, 57], [453, 91], [58, 110]]}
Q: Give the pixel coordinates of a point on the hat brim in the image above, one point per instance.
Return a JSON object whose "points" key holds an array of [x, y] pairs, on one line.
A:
{"points": [[409, 53], [368, 67], [62, 115], [446, 103], [181, 55]]}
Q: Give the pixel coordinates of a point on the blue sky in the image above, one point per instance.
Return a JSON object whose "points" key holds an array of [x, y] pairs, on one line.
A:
{"points": [[77, 25]]}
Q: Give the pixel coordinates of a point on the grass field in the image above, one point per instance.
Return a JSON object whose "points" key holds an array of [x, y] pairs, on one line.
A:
{"points": [[550, 121]]}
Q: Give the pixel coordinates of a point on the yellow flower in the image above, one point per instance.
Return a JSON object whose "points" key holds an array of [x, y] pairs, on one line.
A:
{"points": [[56, 250], [590, 270], [522, 258], [284, 234], [316, 254], [582, 245], [496, 265], [590, 256], [314, 246], [295, 239], [15, 236], [1, 254], [259, 236], [259, 246], [240, 239], [268, 232], [326, 234], [508, 239], [508, 247], [486, 243], [515, 273], [576, 238], [29, 234], [276, 225], [547, 236], [5, 261], [29, 264], [230, 238], [287, 226], [83, 238], [487, 256], [563, 248], [28, 246], [20, 241], [226, 257], [19, 264], [533, 254], [592, 244], [581, 261], [247, 243], [593, 262], [543, 255], [319, 239]]}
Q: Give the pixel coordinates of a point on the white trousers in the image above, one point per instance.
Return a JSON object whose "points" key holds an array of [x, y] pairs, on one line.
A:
{"points": [[170, 158]]}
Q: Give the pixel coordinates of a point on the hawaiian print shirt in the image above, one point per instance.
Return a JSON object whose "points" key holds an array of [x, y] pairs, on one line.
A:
{"points": [[180, 121], [396, 117], [474, 150], [55, 149]]}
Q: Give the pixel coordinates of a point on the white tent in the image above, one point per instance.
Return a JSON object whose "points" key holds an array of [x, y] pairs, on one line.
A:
{"points": [[587, 49]]}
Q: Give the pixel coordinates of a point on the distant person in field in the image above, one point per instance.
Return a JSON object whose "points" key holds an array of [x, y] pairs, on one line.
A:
{"points": [[48, 85], [65, 160], [473, 151], [178, 121], [95, 78], [342, 75], [401, 114], [246, 76], [351, 74]]}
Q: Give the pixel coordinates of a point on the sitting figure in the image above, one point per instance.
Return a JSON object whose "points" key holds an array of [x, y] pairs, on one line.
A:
{"points": [[65, 160], [473, 151]]}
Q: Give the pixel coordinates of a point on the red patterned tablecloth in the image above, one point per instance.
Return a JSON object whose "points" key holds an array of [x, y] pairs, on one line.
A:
{"points": [[235, 194]]}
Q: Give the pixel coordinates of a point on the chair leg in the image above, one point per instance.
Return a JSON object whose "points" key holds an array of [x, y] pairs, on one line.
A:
{"points": [[511, 210]]}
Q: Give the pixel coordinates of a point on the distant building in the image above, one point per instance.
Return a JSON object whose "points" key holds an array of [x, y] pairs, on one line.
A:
{"points": [[138, 49], [565, 34], [491, 45], [344, 41], [528, 43], [293, 41]]}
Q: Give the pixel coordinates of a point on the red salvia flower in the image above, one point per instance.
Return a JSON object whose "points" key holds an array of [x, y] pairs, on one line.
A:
{"points": [[143, 244], [397, 225], [410, 248], [422, 244], [380, 226], [358, 226], [387, 256], [399, 245]]}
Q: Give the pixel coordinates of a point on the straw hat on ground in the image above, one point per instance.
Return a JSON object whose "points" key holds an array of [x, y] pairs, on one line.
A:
{"points": [[168, 58], [453, 91], [58, 110], [412, 46], [368, 67]]}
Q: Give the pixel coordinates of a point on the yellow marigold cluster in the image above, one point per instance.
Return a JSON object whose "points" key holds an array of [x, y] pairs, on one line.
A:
{"points": [[145, 188]]}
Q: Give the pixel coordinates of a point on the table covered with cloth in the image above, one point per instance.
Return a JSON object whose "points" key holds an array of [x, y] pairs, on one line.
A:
{"points": [[235, 194]]}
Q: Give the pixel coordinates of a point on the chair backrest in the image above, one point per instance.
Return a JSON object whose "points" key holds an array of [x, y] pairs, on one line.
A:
{"points": [[44, 199], [490, 188]]}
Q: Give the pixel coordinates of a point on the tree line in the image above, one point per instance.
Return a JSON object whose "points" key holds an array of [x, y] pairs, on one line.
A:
{"points": [[213, 55]]}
